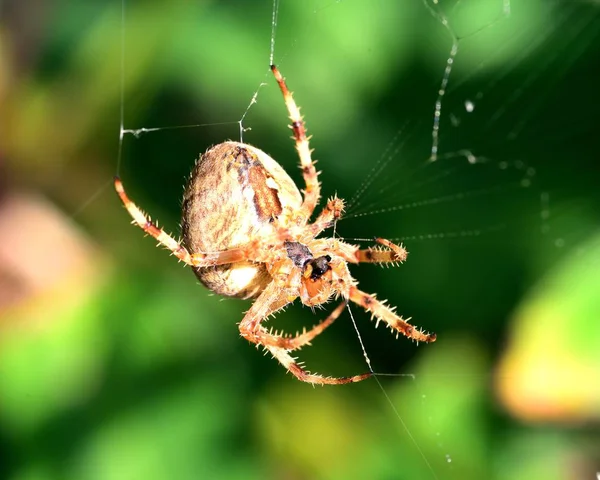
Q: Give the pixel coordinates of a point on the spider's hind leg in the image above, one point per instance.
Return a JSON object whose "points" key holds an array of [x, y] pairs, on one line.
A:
{"points": [[197, 259], [145, 223]]}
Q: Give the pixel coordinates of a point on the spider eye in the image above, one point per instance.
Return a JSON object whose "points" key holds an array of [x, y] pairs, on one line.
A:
{"points": [[319, 266]]}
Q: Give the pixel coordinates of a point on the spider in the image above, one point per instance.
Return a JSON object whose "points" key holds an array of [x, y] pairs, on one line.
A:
{"points": [[247, 233]]}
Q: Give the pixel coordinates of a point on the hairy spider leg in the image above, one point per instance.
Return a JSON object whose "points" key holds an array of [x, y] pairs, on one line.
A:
{"points": [[270, 300], [295, 369], [395, 254], [300, 340], [330, 213], [310, 174], [386, 314], [245, 252], [352, 254]]}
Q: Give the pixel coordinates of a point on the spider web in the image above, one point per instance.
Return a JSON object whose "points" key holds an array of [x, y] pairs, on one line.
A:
{"points": [[463, 129]]}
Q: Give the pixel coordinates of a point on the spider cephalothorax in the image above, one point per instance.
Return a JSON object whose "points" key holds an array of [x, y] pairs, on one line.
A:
{"points": [[247, 233]]}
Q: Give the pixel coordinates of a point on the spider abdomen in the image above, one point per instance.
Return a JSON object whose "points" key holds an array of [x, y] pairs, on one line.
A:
{"points": [[234, 193]]}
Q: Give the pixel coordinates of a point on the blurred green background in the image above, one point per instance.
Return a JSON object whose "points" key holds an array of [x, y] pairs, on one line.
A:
{"points": [[116, 364]]}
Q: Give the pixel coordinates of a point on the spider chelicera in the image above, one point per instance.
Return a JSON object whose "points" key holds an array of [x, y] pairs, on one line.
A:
{"points": [[247, 233]]}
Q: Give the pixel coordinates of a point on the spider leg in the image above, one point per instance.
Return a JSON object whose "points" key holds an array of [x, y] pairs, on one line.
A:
{"points": [[299, 340], [295, 369], [163, 238], [352, 254], [302, 339], [395, 253], [330, 213], [270, 300], [386, 314], [313, 189]]}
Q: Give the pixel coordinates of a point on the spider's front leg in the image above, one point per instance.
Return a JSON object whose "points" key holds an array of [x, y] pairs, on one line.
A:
{"points": [[237, 254], [386, 314], [310, 174], [273, 298], [392, 254]]}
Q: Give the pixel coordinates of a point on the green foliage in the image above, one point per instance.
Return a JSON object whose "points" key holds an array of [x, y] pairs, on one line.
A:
{"points": [[128, 369]]}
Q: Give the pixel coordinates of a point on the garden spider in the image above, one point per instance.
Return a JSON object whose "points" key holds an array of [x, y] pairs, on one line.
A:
{"points": [[246, 234]]}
